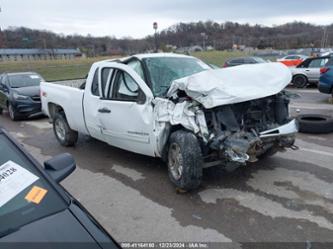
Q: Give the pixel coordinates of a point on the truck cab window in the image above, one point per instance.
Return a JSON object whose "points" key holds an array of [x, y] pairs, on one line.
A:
{"points": [[94, 85], [125, 88], [106, 80], [137, 67]]}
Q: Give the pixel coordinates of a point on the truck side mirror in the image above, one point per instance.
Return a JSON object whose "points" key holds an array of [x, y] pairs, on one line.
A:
{"points": [[61, 166]]}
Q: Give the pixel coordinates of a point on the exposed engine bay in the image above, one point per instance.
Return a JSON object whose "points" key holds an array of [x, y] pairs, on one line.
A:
{"points": [[236, 130], [251, 125]]}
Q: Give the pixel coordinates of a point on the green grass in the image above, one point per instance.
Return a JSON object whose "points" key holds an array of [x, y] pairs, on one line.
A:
{"points": [[218, 57], [53, 69]]}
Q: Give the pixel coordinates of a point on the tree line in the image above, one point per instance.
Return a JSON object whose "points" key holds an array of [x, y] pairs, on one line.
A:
{"points": [[221, 36]]}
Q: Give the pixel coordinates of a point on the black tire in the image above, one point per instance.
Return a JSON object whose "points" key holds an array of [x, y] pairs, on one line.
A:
{"points": [[189, 157], [300, 81], [315, 123], [64, 134], [12, 113], [1, 110]]}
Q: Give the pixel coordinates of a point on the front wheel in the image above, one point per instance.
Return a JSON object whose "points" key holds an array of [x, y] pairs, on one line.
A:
{"points": [[185, 160], [300, 81], [12, 113], [64, 134]]}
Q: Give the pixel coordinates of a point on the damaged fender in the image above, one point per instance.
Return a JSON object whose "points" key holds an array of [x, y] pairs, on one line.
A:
{"points": [[238, 113]]}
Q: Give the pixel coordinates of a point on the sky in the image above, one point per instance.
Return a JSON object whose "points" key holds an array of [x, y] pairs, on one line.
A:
{"points": [[134, 18]]}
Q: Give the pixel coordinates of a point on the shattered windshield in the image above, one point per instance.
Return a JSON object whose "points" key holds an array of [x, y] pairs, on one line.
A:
{"points": [[164, 70]]}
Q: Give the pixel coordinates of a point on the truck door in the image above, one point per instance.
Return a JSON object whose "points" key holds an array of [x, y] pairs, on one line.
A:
{"points": [[125, 112], [92, 96]]}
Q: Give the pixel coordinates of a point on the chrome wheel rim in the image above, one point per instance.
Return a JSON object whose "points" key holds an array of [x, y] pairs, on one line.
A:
{"points": [[175, 161], [60, 129]]}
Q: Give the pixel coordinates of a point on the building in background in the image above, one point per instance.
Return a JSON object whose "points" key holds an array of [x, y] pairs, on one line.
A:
{"points": [[26, 54]]}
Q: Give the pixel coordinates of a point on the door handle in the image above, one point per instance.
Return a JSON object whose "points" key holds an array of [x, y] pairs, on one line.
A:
{"points": [[104, 110], [308, 70]]}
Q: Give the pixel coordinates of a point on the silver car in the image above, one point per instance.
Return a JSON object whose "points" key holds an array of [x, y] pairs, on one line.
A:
{"points": [[308, 72]]}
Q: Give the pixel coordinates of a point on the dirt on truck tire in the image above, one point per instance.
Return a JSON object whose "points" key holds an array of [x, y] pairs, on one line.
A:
{"points": [[185, 160]]}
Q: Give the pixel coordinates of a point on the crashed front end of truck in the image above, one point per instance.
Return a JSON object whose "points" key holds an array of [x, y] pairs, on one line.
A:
{"points": [[238, 114]]}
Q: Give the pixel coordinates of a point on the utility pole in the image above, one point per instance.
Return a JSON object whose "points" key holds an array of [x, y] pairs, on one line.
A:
{"points": [[204, 37], [325, 37], [155, 27], [1, 34]]}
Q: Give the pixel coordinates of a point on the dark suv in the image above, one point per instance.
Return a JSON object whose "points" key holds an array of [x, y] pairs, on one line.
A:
{"points": [[20, 94], [326, 78]]}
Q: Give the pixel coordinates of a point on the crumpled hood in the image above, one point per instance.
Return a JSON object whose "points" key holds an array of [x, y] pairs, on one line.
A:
{"points": [[233, 85]]}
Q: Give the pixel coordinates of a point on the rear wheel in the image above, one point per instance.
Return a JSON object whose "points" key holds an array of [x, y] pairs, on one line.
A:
{"points": [[300, 81], [185, 160], [64, 134], [12, 113]]}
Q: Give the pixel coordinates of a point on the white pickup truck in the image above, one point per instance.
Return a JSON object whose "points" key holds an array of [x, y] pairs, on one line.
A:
{"points": [[177, 108]]}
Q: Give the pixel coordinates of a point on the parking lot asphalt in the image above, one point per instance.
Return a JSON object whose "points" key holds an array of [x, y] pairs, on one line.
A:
{"points": [[285, 198]]}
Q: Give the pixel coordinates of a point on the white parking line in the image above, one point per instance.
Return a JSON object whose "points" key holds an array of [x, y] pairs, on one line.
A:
{"points": [[262, 205], [324, 153], [40, 124], [312, 106], [131, 173]]}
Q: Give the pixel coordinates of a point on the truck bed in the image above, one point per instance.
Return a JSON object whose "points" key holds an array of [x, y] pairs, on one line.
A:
{"points": [[76, 83], [67, 96]]}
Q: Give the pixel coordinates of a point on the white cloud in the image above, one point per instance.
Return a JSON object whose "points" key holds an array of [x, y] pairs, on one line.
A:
{"points": [[135, 18]]}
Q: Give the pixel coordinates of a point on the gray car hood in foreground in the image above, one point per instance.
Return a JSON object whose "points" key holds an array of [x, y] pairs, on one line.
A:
{"points": [[233, 85]]}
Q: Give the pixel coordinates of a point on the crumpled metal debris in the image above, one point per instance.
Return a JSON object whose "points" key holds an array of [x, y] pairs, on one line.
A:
{"points": [[232, 85], [186, 113]]}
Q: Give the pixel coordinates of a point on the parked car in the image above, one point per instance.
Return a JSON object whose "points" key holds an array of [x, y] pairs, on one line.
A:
{"points": [[177, 108], [308, 71], [326, 78], [243, 60], [292, 60], [34, 208], [20, 94]]}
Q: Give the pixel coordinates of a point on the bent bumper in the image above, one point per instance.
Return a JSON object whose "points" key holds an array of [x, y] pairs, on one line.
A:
{"points": [[27, 108], [290, 128]]}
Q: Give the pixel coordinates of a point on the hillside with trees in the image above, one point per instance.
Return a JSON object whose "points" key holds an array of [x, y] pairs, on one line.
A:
{"points": [[218, 35]]}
